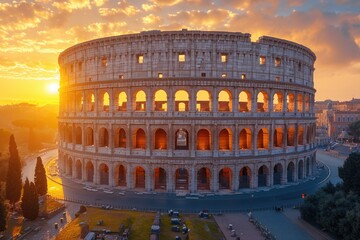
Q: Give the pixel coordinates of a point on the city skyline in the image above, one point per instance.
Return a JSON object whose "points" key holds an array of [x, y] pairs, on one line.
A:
{"points": [[33, 33]]}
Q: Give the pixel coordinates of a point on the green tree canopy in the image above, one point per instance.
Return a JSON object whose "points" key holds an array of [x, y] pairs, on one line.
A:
{"points": [[354, 130], [350, 173], [40, 178], [13, 179]]}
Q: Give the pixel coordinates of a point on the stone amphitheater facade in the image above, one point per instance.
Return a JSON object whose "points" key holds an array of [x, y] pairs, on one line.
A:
{"points": [[193, 111]]}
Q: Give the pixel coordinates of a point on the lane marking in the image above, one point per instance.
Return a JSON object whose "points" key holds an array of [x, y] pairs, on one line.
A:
{"points": [[328, 176]]}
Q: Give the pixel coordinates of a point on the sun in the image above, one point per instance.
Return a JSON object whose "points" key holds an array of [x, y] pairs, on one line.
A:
{"points": [[53, 88]]}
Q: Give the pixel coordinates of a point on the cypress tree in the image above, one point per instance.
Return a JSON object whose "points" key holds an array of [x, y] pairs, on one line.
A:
{"points": [[30, 201], [40, 178], [34, 198], [25, 200], [2, 216], [13, 179]]}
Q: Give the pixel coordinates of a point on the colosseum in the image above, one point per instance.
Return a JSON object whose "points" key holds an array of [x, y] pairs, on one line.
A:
{"points": [[190, 111]]}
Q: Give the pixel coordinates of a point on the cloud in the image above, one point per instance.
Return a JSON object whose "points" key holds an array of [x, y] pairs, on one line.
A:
{"points": [[72, 5], [151, 19]]}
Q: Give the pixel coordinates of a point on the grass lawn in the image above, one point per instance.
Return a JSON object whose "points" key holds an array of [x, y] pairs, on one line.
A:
{"points": [[199, 228], [139, 222]]}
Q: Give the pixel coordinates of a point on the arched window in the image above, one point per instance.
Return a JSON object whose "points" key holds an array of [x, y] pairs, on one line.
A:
{"points": [[278, 102], [160, 103], [277, 174], [106, 102], [203, 140], [203, 101], [69, 134], [181, 101], [181, 179], [291, 136], [160, 139], [300, 102], [244, 102], [301, 135], [262, 102], [89, 137], [225, 142], [90, 101], [140, 101], [160, 178], [78, 169], [104, 174], [122, 102], [278, 137], [140, 139], [263, 173], [103, 137], [244, 177], [224, 101], [120, 176], [79, 102], [290, 102], [181, 139], [78, 137], [290, 172], [139, 177], [263, 139], [203, 179], [307, 103], [89, 172], [225, 177], [245, 139]]}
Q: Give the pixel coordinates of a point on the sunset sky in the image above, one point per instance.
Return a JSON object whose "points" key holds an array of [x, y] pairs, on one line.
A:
{"points": [[33, 33]]}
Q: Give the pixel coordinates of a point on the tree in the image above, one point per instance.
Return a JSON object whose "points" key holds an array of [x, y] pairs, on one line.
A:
{"points": [[350, 173], [40, 177], [354, 130], [30, 201], [2, 215], [13, 178]]}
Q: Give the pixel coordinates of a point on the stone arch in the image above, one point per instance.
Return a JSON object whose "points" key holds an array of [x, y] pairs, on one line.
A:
{"points": [[104, 174], [245, 177], [159, 179], [290, 172], [139, 175], [225, 139], [300, 169], [300, 102], [203, 101], [105, 103], [120, 175], [181, 101], [122, 102], [120, 138], [203, 140], [300, 135], [225, 178], [69, 167], [278, 102], [181, 179], [263, 139], [244, 101], [263, 173], [89, 172], [181, 139], [89, 136], [291, 136], [69, 134], [160, 101], [103, 137], [160, 139], [224, 101], [290, 99], [245, 139], [203, 178], [90, 102], [278, 174], [140, 101], [262, 101], [78, 169], [79, 101], [78, 135], [278, 137], [307, 103], [140, 139]]}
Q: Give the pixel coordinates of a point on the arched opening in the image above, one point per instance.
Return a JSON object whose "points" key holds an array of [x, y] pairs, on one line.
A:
{"points": [[225, 142], [301, 135], [181, 139], [160, 103], [120, 138], [225, 177], [203, 179], [244, 101], [160, 139], [91, 101], [245, 177], [103, 137], [263, 139], [106, 102], [300, 169], [277, 174], [203, 140], [203, 101], [278, 137], [120, 173], [69, 134], [291, 136], [78, 167], [307, 103], [78, 135], [245, 139], [104, 174], [181, 179], [69, 167], [139, 177], [181, 101], [122, 102], [262, 176], [300, 102], [278, 102], [79, 102], [89, 136], [160, 178], [140, 139], [89, 172], [290, 172], [262, 102], [290, 102], [224, 101], [140, 101]]}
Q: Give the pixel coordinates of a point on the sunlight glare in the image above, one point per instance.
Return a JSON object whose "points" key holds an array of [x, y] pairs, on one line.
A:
{"points": [[53, 88]]}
